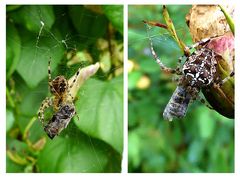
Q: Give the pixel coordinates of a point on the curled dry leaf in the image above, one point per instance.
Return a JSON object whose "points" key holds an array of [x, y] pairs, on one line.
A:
{"points": [[84, 74], [206, 21]]}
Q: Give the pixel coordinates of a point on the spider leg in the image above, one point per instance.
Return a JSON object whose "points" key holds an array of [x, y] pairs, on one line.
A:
{"points": [[49, 70], [199, 98], [77, 116], [201, 42], [47, 102], [75, 78], [158, 60], [52, 90], [72, 84], [69, 94], [176, 79], [178, 69], [204, 102]]}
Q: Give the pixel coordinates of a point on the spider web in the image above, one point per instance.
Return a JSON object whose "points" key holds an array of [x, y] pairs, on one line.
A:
{"points": [[162, 39], [162, 42], [75, 55]]}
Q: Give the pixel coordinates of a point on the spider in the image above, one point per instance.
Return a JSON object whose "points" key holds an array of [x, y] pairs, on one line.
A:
{"points": [[61, 101], [198, 71]]}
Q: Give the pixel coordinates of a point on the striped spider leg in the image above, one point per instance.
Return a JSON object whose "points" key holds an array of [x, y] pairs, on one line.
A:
{"points": [[158, 60]]}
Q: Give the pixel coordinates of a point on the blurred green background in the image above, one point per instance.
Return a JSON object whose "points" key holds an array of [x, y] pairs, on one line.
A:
{"points": [[201, 142], [73, 36]]}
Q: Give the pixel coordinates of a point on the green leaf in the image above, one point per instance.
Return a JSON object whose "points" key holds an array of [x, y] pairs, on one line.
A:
{"points": [[29, 106], [33, 63], [16, 152], [31, 16], [13, 48], [206, 123], [115, 15], [10, 119], [149, 66], [89, 24], [12, 7], [76, 152], [31, 98], [13, 167], [195, 151], [133, 38], [101, 111], [134, 149], [133, 78]]}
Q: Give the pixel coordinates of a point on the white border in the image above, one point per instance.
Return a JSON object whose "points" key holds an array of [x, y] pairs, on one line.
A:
{"points": [[125, 2], [124, 174]]}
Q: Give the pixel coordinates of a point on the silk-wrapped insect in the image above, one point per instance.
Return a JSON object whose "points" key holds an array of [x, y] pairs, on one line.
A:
{"points": [[59, 121]]}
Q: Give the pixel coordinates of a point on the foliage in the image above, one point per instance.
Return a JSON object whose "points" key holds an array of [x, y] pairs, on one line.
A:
{"points": [[73, 36], [201, 142]]}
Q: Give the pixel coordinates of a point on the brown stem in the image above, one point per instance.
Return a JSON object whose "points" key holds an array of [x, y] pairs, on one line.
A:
{"points": [[152, 23]]}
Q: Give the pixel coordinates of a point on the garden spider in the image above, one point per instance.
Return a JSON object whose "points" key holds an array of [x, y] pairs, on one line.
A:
{"points": [[198, 71], [61, 101]]}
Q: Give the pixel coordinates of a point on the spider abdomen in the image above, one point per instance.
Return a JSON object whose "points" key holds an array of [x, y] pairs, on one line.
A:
{"points": [[178, 104], [200, 68], [60, 85]]}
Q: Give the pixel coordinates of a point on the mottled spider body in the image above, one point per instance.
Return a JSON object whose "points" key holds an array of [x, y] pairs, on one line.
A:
{"points": [[60, 120], [61, 101], [58, 87], [200, 68]]}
